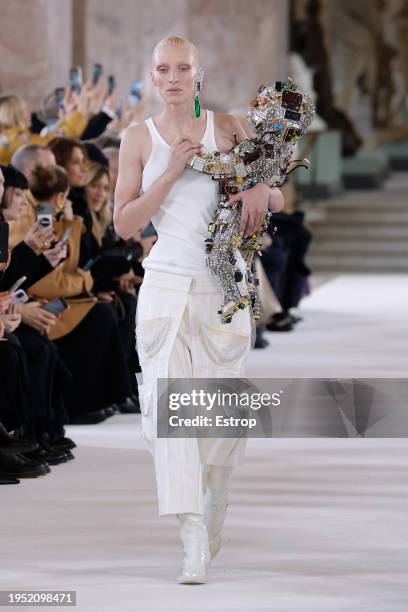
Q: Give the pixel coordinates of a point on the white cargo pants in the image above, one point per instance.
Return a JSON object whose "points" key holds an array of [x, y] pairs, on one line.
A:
{"points": [[179, 335]]}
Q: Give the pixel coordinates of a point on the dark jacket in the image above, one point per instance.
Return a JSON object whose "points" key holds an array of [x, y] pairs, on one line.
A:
{"points": [[24, 262]]}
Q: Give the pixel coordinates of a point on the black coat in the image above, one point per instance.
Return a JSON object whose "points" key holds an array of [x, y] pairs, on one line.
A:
{"points": [[24, 262], [96, 125]]}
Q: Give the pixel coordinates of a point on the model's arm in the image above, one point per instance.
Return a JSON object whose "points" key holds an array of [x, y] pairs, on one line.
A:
{"points": [[276, 201], [133, 211], [256, 200]]}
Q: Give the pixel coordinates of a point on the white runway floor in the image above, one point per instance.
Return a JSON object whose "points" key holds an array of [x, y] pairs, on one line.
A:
{"points": [[314, 525]]}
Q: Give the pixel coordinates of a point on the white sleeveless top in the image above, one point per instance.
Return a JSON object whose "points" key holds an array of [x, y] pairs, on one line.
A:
{"points": [[182, 220]]}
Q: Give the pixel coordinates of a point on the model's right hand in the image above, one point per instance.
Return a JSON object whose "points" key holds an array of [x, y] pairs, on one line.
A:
{"points": [[181, 151]]}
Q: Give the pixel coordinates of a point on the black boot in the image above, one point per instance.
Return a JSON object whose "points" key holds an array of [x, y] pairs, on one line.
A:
{"points": [[260, 341], [19, 467], [10, 444], [129, 406], [5, 480], [280, 322]]}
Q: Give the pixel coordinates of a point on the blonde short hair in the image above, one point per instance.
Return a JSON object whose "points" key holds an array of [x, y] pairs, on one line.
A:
{"points": [[12, 112], [175, 40]]}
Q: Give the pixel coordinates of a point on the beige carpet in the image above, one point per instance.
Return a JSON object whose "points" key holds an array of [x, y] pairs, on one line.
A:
{"points": [[315, 525]]}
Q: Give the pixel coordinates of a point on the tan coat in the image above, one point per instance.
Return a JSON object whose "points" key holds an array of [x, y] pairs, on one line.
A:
{"points": [[66, 280], [11, 139]]}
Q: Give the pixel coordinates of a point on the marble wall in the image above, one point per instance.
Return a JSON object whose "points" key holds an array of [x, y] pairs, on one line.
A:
{"points": [[242, 43], [35, 46]]}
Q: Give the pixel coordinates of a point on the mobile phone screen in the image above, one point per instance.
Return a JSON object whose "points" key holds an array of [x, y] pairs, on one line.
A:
{"points": [[59, 97], [56, 305], [66, 234], [111, 83], [96, 73], [135, 92], [75, 79]]}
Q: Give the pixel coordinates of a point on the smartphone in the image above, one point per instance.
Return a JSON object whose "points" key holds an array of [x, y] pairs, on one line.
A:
{"points": [[19, 297], [17, 284], [111, 84], [96, 73], [66, 234], [4, 241], [88, 264], [44, 214], [75, 79], [59, 93], [148, 231], [135, 92], [56, 305]]}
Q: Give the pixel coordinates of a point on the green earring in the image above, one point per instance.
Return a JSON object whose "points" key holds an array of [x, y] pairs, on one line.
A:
{"points": [[198, 86], [197, 107]]}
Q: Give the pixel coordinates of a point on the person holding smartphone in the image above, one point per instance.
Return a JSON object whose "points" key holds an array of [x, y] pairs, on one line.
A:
{"points": [[15, 119], [98, 367], [33, 254], [28, 324], [178, 330]]}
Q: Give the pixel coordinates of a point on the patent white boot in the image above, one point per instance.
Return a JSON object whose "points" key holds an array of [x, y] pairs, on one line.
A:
{"points": [[197, 555], [216, 504]]}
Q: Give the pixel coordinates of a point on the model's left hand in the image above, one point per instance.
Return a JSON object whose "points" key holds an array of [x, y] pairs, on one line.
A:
{"points": [[255, 202]]}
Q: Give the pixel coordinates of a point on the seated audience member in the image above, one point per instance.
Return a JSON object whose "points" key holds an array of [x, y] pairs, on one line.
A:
{"points": [[86, 334], [72, 155], [37, 355], [112, 273]]}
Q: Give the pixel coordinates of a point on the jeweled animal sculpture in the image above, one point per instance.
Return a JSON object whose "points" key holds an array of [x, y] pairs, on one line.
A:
{"points": [[279, 116]]}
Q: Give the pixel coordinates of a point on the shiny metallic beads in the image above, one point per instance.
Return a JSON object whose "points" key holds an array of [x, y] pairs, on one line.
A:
{"points": [[279, 116]]}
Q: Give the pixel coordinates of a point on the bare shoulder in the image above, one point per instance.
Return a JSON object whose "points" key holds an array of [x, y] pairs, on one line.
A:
{"points": [[227, 122], [136, 142], [232, 127], [136, 133]]}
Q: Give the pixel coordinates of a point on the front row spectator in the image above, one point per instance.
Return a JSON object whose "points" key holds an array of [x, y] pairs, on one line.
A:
{"points": [[87, 333]]}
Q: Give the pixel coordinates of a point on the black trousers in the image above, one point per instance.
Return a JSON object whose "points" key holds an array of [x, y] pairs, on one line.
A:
{"points": [[14, 384], [127, 322], [49, 381], [94, 354]]}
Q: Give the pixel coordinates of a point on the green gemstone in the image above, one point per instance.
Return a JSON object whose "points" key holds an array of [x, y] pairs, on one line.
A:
{"points": [[197, 109]]}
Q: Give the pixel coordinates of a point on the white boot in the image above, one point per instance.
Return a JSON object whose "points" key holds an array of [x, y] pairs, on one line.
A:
{"points": [[197, 555], [216, 504]]}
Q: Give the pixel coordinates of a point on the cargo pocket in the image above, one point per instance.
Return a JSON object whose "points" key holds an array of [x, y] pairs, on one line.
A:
{"points": [[151, 335], [222, 346]]}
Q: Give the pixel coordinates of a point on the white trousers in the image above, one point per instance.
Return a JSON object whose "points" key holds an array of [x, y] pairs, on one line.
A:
{"points": [[179, 335]]}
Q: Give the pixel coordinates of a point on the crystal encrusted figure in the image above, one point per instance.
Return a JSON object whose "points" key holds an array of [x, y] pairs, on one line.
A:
{"points": [[279, 116]]}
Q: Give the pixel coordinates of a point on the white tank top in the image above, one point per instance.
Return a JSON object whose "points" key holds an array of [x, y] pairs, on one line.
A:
{"points": [[182, 220]]}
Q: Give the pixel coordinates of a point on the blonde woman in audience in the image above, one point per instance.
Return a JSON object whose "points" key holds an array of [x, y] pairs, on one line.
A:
{"points": [[15, 121]]}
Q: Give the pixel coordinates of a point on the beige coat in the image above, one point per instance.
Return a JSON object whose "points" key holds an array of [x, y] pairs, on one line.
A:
{"points": [[66, 280]]}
